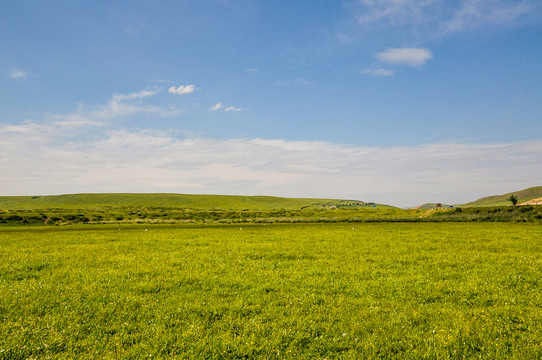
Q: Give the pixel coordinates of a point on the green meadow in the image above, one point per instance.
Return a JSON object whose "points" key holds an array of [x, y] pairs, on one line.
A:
{"points": [[275, 291]]}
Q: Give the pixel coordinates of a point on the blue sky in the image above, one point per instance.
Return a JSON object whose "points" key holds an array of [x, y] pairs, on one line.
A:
{"points": [[395, 101]]}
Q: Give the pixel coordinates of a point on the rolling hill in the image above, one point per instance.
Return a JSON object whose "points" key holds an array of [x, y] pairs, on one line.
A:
{"points": [[528, 196], [428, 206], [200, 202]]}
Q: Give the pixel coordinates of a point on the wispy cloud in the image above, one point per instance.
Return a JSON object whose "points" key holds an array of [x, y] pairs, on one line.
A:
{"points": [[216, 107], [476, 13], [44, 159], [219, 106], [182, 89], [16, 73], [406, 56], [378, 72], [343, 38], [393, 12], [119, 106], [430, 18], [75, 121], [122, 105], [136, 95], [251, 70]]}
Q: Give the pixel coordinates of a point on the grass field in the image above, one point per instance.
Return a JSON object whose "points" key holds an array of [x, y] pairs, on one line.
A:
{"points": [[168, 215], [304, 291], [352, 214]]}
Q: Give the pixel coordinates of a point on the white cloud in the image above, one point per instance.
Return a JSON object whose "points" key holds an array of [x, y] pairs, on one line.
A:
{"points": [[122, 109], [219, 106], [378, 72], [406, 56], [435, 18], [476, 13], [182, 89], [251, 70], [136, 95], [49, 159], [120, 105], [75, 120], [18, 74], [216, 107]]}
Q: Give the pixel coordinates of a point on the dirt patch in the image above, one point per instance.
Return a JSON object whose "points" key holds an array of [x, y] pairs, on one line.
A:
{"points": [[537, 201]]}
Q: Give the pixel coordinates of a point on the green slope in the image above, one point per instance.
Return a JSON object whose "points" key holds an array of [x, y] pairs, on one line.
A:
{"points": [[203, 202], [428, 206], [499, 200]]}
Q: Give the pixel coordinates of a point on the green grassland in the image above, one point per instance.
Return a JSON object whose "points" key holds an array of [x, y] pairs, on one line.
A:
{"points": [[170, 215], [283, 291], [347, 213], [178, 201], [428, 206], [500, 200]]}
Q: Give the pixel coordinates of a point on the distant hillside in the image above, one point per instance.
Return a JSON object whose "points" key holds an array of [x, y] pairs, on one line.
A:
{"points": [[200, 202], [428, 206], [527, 196]]}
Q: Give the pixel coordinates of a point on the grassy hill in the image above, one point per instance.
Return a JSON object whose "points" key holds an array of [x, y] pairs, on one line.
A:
{"points": [[499, 200], [200, 202], [428, 206]]}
